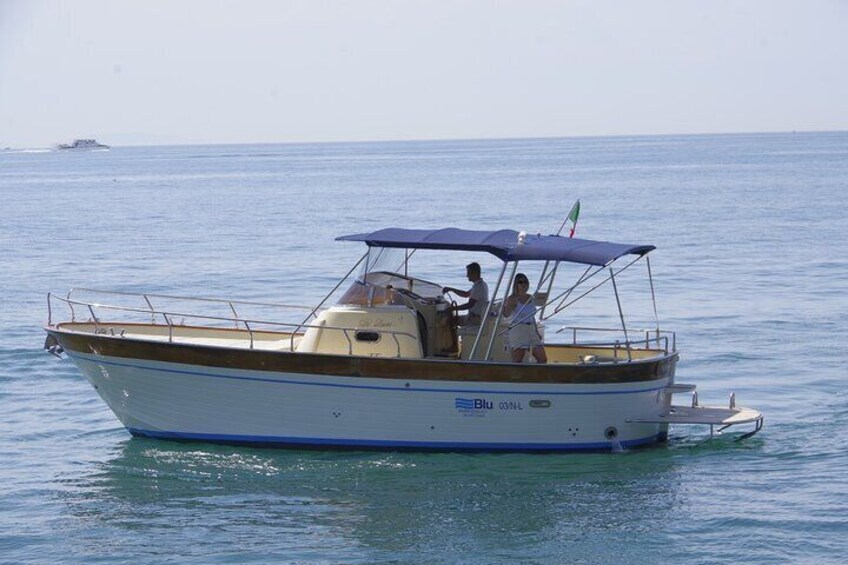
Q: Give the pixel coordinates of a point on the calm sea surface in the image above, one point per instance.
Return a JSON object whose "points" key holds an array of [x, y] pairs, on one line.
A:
{"points": [[751, 272]]}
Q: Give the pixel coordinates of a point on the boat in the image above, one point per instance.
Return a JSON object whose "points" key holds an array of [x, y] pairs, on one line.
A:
{"points": [[82, 145], [388, 364]]}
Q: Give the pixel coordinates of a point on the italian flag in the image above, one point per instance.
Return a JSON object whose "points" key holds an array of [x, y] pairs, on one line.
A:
{"points": [[572, 217]]}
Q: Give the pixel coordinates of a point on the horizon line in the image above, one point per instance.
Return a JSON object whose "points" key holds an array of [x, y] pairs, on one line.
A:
{"points": [[6, 147]]}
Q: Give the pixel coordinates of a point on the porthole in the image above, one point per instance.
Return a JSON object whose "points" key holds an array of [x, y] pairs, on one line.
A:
{"points": [[369, 337]]}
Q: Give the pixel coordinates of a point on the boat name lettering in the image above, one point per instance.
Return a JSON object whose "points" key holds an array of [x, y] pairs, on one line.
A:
{"points": [[478, 406], [375, 323]]}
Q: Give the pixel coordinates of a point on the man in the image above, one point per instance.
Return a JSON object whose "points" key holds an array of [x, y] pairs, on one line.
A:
{"points": [[478, 296]]}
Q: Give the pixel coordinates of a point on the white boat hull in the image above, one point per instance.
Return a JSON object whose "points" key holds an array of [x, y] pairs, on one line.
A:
{"points": [[239, 406]]}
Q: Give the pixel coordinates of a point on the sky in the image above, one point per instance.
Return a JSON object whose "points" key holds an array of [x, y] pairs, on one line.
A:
{"points": [[200, 71]]}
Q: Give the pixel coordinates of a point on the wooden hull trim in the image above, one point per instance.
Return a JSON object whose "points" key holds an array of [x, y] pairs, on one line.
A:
{"points": [[362, 367]]}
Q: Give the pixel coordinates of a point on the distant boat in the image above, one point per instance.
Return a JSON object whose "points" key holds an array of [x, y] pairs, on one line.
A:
{"points": [[82, 145]]}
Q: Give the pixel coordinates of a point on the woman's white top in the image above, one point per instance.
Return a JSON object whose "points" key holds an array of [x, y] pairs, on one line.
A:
{"points": [[524, 312]]}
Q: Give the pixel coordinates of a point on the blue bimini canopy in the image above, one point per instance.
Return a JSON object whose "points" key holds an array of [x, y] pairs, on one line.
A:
{"points": [[504, 244]]}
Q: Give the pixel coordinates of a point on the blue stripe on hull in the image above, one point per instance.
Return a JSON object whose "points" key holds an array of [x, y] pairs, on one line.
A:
{"points": [[383, 445]]}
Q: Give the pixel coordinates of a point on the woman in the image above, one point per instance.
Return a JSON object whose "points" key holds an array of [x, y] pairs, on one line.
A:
{"points": [[523, 335]]}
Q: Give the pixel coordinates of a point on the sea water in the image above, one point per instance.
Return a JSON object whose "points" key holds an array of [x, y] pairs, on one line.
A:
{"points": [[750, 271]]}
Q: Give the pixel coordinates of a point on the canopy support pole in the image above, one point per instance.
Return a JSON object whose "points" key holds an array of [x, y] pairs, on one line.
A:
{"points": [[567, 293], [556, 264], [500, 313], [562, 306], [486, 315], [620, 311], [552, 275], [543, 277], [653, 298]]}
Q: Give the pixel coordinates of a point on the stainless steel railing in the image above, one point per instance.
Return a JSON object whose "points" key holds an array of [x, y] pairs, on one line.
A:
{"points": [[621, 348], [171, 316], [665, 340], [147, 297]]}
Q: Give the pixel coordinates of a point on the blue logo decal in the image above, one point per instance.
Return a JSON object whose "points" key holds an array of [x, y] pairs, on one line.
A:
{"points": [[467, 405]]}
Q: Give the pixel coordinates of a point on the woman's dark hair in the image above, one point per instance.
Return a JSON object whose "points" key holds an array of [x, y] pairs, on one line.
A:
{"points": [[522, 278]]}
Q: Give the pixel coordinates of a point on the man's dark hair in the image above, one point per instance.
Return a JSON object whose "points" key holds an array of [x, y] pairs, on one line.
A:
{"points": [[473, 267]]}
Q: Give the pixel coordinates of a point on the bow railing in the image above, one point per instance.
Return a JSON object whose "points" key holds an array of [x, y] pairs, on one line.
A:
{"points": [[175, 319]]}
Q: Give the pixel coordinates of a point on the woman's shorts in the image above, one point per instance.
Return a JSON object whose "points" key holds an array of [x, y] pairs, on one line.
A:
{"points": [[523, 336]]}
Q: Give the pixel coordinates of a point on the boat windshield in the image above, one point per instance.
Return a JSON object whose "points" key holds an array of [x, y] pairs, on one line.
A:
{"points": [[383, 277], [387, 259], [422, 288], [363, 294], [382, 288]]}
